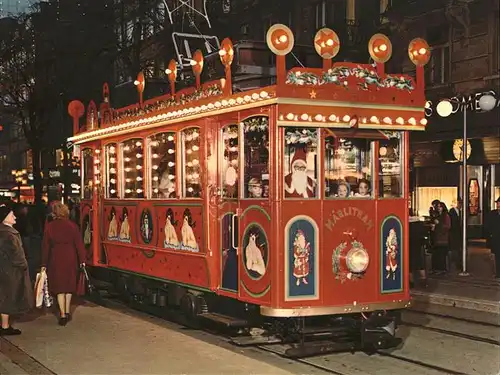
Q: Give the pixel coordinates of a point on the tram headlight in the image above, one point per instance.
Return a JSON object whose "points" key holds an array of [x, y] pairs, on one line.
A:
{"points": [[357, 260]]}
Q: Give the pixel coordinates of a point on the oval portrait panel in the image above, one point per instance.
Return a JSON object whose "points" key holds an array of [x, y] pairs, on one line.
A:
{"points": [[146, 226], [255, 251]]}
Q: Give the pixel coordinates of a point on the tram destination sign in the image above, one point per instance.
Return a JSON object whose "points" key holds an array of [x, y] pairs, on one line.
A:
{"points": [[463, 102]]}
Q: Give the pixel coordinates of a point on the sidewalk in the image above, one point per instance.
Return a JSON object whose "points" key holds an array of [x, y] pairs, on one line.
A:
{"points": [[475, 297], [106, 341]]}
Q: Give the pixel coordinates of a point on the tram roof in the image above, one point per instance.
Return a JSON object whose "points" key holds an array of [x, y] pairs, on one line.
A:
{"points": [[342, 95]]}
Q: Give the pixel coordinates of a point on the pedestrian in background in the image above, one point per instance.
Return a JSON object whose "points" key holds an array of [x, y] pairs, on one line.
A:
{"points": [[456, 234], [16, 294], [62, 257], [492, 227], [441, 235]]}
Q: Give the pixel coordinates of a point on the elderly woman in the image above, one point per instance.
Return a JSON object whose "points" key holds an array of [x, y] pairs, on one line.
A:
{"points": [[62, 256], [16, 296]]}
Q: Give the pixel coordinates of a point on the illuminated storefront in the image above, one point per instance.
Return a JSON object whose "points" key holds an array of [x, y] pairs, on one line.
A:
{"points": [[437, 160]]}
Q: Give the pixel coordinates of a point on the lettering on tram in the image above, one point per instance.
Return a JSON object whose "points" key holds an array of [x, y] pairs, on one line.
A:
{"points": [[337, 215], [256, 157], [300, 162]]}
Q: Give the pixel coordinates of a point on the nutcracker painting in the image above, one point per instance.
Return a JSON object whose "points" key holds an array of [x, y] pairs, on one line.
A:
{"points": [[301, 250], [391, 247]]}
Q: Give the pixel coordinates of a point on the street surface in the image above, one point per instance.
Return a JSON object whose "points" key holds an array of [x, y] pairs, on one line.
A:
{"points": [[118, 340]]}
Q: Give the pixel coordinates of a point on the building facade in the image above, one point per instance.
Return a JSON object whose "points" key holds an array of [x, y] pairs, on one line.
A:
{"points": [[465, 64]]}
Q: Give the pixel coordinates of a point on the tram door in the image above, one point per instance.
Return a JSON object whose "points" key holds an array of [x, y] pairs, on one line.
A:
{"points": [[228, 177]]}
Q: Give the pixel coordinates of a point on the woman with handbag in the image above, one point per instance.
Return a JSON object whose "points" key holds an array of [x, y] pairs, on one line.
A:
{"points": [[441, 234], [63, 256]]}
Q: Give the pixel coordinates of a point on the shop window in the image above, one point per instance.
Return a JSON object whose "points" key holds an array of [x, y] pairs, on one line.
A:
{"points": [[88, 173], [133, 168], [390, 157], [347, 168], [230, 161], [438, 69], [256, 157], [300, 163], [191, 186], [111, 171], [426, 195], [163, 159]]}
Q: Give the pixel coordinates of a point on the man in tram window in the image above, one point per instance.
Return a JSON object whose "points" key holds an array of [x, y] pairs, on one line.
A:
{"points": [[343, 189], [254, 188], [297, 183], [363, 189]]}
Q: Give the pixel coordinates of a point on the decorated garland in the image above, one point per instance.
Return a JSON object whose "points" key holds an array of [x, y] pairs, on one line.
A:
{"points": [[302, 136], [254, 124]]}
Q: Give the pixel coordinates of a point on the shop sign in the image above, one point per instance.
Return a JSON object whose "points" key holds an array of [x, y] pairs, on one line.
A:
{"points": [[463, 102], [54, 174]]}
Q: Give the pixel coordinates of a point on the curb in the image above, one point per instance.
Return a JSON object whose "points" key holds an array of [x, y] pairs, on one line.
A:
{"points": [[456, 301]]}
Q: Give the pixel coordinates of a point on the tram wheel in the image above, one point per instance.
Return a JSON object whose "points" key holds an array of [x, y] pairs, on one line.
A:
{"points": [[189, 306]]}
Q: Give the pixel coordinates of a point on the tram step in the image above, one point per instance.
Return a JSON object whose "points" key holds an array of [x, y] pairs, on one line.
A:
{"points": [[255, 340], [228, 321]]}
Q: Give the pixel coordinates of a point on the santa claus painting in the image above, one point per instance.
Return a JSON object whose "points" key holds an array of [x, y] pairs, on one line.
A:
{"points": [[301, 253], [391, 262], [297, 183]]}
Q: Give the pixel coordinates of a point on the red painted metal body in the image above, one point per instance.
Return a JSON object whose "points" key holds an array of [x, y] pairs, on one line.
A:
{"points": [[305, 98]]}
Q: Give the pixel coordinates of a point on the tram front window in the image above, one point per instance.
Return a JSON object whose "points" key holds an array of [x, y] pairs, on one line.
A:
{"points": [[88, 173], [230, 161], [191, 186], [347, 167], [133, 165], [162, 163], [111, 171], [301, 163], [256, 157], [390, 158]]}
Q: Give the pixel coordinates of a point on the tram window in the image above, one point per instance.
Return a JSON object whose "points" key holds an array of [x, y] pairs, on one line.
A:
{"points": [[162, 154], [111, 171], [390, 166], [347, 167], [256, 157], [230, 161], [191, 186], [88, 173], [133, 168], [301, 163]]}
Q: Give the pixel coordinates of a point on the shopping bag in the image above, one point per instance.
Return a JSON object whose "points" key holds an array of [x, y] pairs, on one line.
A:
{"points": [[39, 289], [47, 298]]}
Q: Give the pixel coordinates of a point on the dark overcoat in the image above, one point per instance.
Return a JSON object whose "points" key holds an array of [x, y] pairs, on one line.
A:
{"points": [[16, 294]]}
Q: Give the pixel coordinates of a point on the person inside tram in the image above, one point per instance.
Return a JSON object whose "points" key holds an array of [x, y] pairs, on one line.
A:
{"points": [[343, 189], [254, 188], [363, 189]]}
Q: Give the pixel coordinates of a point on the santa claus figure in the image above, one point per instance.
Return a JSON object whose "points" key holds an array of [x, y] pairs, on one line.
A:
{"points": [[391, 263], [297, 183], [301, 253]]}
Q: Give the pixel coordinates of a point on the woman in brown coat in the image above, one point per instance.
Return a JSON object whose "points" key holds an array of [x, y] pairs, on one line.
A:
{"points": [[62, 256], [16, 296]]}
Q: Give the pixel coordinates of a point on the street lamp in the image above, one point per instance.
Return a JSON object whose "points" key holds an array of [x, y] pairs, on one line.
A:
{"points": [[444, 109]]}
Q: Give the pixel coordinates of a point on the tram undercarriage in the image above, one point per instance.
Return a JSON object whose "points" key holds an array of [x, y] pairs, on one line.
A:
{"points": [[244, 325]]}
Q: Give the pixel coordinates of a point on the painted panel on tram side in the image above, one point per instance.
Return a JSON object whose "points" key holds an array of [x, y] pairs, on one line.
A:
{"points": [[86, 228], [301, 259], [229, 255], [180, 226], [391, 247], [120, 222], [349, 233], [255, 259], [146, 226], [164, 264]]}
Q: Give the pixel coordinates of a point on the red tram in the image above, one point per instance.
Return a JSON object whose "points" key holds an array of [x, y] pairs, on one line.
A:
{"points": [[288, 202]]}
